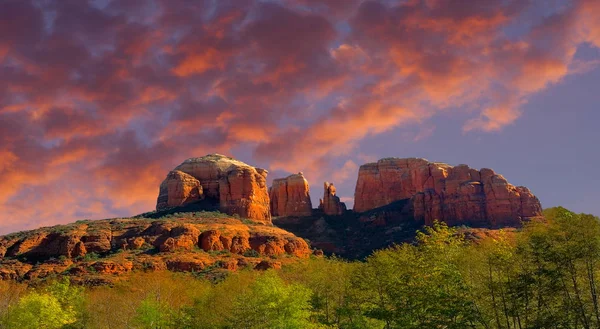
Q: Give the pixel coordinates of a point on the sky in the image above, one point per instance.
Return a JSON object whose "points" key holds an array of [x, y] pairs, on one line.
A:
{"points": [[100, 99]]}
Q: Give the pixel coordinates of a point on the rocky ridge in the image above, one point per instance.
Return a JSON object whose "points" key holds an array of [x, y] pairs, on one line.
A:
{"points": [[452, 194], [393, 199], [182, 242]]}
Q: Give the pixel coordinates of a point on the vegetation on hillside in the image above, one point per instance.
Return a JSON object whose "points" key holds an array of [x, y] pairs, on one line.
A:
{"points": [[545, 276]]}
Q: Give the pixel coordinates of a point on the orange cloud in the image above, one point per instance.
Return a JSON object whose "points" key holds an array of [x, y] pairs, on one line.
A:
{"points": [[334, 135], [493, 119], [97, 105], [198, 63]]}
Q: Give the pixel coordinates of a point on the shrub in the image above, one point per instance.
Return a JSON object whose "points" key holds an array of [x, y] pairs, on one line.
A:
{"points": [[251, 253]]}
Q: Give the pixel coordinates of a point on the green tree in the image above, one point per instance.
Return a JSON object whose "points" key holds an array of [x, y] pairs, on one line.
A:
{"points": [[58, 305], [150, 314], [71, 299], [418, 286], [271, 303], [40, 310]]}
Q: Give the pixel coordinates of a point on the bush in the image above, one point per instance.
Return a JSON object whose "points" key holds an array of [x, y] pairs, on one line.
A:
{"points": [[251, 253]]}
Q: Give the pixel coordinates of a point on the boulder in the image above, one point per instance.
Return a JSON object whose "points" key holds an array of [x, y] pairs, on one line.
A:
{"points": [[111, 267], [437, 191], [211, 241], [279, 245], [237, 188], [330, 204], [99, 240], [267, 264], [290, 196]]}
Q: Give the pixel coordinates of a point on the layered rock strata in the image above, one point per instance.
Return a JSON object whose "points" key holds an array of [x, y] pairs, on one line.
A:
{"points": [[437, 191], [330, 204], [111, 247], [236, 187], [290, 196]]}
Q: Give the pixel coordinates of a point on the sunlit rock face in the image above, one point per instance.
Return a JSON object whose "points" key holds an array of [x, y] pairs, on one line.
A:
{"points": [[179, 189], [330, 203], [290, 196], [238, 188], [437, 191], [104, 251]]}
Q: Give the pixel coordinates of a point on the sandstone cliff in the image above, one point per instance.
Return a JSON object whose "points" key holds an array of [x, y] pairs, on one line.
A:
{"points": [[184, 242], [456, 195], [330, 203], [236, 187], [179, 189], [290, 196]]}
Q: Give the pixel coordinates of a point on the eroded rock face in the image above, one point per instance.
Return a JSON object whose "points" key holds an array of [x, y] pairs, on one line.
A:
{"points": [[235, 186], [184, 237], [179, 189], [76, 242], [122, 245], [290, 196], [456, 195], [330, 204]]}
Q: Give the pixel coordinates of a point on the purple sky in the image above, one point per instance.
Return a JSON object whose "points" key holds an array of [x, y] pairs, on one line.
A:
{"points": [[100, 99], [552, 148]]}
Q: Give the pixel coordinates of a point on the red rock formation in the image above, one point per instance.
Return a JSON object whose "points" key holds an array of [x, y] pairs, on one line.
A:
{"points": [[183, 263], [211, 241], [330, 204], [244, 192], [76, 242], [237, 187], [267, 264], [183, 237], [110, 267], [136, 243], [179, 189], [290, 196], [455, 195], [181, 243]]}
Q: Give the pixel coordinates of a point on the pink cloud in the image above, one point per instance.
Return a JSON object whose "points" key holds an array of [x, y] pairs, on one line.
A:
{"points": [[97, 104]]}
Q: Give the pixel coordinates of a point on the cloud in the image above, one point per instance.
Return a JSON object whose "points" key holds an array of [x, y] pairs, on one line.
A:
{"points": [[493, 119], [98, 101], [348, 170]]}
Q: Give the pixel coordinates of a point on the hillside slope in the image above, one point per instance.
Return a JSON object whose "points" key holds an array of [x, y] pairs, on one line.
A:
{"points": [[100, 251]]}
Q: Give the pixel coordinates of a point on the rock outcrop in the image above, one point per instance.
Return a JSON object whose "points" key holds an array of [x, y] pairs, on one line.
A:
{"points": [[456, 195], [107, 248], [330, 204], [290, 196], [179, 189], [236, 187]]}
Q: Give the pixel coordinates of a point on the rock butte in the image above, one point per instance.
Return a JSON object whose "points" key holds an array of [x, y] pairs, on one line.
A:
{"points": [[456, 195], [330, 203], [236, 187], [428, 190], [290, 196]]}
